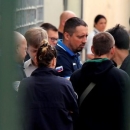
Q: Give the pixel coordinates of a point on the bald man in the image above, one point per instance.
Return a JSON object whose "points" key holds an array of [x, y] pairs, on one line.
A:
{"points": [[20, 53], [20, 46], [65, 15]]}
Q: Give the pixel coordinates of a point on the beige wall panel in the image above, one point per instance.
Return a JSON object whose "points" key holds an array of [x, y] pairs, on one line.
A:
{"points": [[116, 11], [52, 11], [75, 6]]}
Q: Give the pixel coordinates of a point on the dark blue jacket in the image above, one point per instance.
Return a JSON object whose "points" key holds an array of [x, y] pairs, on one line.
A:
{"points": [[67, 59], [47, 101], [126, 65]]}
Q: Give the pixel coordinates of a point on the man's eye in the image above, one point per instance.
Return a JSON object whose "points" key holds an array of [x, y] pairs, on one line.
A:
{"points": [[80, 37]]}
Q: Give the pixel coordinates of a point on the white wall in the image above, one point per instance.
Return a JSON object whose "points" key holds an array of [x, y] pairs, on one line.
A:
{"points": [[52, 11], [75, 6], [116, 12]]}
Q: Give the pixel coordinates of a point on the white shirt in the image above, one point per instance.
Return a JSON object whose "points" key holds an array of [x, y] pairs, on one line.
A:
{"points": [[29, 67], [90, 40]]}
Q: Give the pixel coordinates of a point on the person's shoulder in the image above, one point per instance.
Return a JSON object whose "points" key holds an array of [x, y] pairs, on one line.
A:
{"points": [[63, 81], [76, 75], [27, 82], [119, 73], [27, 79]]}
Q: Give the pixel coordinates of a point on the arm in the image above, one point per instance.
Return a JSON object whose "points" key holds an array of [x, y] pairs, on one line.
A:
{"points": [[67, 67]]}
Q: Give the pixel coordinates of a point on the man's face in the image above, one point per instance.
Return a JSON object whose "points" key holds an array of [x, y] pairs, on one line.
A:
{"points": [[21, 50], [52, 37], [32, 53], [78, 39]]}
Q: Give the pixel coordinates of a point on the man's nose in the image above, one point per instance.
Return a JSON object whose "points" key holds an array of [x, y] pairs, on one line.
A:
{"points": [[84, 39]]}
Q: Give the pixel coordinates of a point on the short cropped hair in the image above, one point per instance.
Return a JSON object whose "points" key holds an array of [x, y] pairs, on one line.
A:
{"points": [[72, 23], [102, 43], [35, 35], [121, 36], [49, 26]]}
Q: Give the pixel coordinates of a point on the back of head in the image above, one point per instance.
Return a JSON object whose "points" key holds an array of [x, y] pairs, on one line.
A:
{"points": [[20, 46], [72, 23], [35, 35], [45, 54], [102, 43], [66, 15], [121, 37], [48, 26], [18, 38]]}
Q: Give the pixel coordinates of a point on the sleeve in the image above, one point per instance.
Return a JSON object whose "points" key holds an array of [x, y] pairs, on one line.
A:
{"points": [[71, 97], [89, 43], [75, 78], [67, 66], [22, 94], [126, 102]]}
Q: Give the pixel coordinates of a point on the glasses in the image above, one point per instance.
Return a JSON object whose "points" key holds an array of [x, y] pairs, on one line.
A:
{"points": [[53, 39]]}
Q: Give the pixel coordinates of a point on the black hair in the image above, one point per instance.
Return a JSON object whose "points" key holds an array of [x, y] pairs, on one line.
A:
{"points": [[72, 23], [48, 26], [121, 36]]}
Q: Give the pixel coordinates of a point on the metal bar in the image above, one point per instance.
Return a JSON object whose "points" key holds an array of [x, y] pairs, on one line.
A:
{"points": [[7, 97]]}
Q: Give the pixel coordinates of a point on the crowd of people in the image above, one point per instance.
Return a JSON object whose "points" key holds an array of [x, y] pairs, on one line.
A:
{"points": [[56, 91]]}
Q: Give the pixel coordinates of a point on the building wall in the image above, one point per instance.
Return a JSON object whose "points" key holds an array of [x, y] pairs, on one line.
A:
{"points": [[53, 9], [116, 12]]}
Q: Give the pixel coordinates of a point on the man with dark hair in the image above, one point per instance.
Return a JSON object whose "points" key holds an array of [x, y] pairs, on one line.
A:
{"points": [[75, 37], [65, 15], [122, 43], [52, 32], [102, 89]]}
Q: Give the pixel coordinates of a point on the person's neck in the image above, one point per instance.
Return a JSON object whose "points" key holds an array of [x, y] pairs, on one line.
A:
{"points": [[33, 63], [60, 29], [120, 55], [102, 56]]}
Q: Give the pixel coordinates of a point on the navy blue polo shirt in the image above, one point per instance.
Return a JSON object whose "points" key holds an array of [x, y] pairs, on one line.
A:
{"points": [[67, 59]]}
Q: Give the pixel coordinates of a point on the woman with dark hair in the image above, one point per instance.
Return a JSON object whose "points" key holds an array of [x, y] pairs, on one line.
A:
{"points": [[47, 101], [100, 22]]}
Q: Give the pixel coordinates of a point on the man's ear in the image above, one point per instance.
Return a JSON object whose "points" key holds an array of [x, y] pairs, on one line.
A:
{"points": [[112, 51], [92, 50], [66, 35]]}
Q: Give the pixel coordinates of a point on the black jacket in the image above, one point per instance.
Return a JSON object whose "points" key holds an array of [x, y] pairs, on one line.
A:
{"points": [[47, 101], [126, 65], [105, 106]]}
